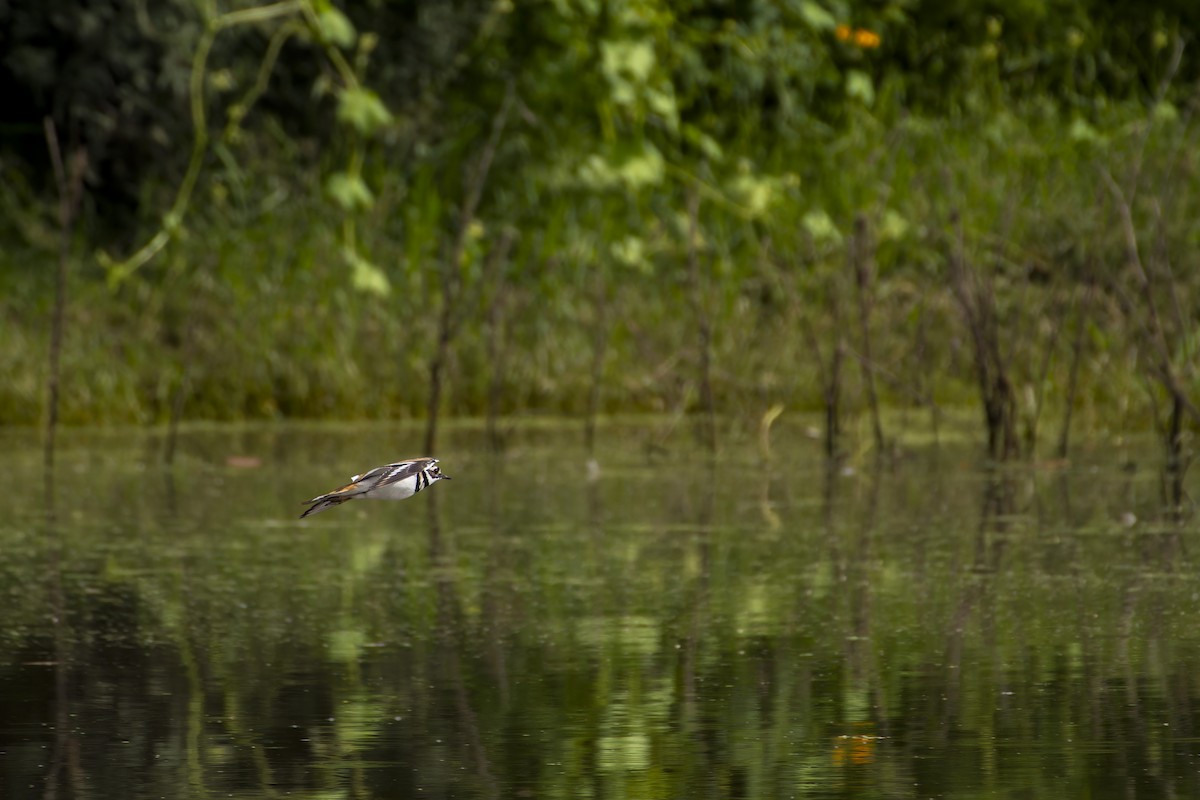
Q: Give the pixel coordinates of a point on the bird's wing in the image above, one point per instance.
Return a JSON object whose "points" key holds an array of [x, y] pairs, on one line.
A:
{"points": [[394, 473], [369, 477]]}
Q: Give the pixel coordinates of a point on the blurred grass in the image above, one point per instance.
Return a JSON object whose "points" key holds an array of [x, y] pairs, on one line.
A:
{"points": [[256, 313]]}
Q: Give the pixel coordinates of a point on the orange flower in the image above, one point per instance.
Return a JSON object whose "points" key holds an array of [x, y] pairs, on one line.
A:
{"points": [[868, 40], [865, 39]]}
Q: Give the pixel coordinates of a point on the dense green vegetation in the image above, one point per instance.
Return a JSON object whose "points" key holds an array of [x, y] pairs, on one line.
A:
{"points": [[383, 209]]}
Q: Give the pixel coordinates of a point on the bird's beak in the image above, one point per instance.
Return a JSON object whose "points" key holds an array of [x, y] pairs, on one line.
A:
{"points": [[445, 477]]}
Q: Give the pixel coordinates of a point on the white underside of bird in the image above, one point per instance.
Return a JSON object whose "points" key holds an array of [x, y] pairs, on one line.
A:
{"points": [[397, 481], [396, 491]]}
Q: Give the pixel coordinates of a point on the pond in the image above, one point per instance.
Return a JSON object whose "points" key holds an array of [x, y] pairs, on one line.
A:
{"points": [[658, 626]]}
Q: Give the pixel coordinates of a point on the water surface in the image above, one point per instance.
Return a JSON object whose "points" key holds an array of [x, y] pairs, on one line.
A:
{"points": [[671, 628]]}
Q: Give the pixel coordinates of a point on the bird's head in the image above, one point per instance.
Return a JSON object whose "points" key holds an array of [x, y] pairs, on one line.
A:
{"points": [[434, 473]]}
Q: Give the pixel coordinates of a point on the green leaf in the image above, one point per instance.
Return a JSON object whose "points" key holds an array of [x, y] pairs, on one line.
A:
{"points": [[336, 27], [1081, 131], [363, 110], [1165, 112], [349, 191], [627, 57], [644, 167], [596, 173], [816, 16], [754, 193], [820, 227], [893, 226], [860, 87], [631, 166], [663, 104], [365, 276], [630, 252]]}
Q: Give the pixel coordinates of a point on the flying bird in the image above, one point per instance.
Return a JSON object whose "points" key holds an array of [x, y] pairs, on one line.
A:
{"points": [[391, 482]]}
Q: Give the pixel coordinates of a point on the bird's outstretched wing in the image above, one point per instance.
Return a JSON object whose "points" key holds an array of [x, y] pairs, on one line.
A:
{"points": [[394, 473], [368, 481]]}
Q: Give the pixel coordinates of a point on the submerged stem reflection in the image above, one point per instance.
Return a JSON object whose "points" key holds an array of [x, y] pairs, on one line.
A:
{"points": [[687, 627]]}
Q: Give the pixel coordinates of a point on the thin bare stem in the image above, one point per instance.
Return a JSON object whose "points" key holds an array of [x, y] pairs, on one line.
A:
{"points": [[703, 323], [69, 181], [861, 264], [1164, 366], [452, 309]]}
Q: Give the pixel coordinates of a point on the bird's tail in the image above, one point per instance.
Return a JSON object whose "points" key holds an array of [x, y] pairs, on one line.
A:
{"points": [[323, 502]]}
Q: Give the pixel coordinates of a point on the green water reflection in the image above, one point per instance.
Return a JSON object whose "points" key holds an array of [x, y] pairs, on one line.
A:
{"points": [[673, 628]]}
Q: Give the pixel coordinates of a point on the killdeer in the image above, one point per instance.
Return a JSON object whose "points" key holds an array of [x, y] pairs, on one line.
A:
{"points": [[391, 482]]}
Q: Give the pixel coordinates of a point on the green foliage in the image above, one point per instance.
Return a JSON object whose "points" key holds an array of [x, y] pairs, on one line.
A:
{"points": [[350, 192], [362, 110], [343, 144], [336, 27], [365, 276]]}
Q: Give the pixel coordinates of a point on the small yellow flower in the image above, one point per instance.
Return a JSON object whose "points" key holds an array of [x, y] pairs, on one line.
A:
{"points": [[843, 33], [867, 40]]}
